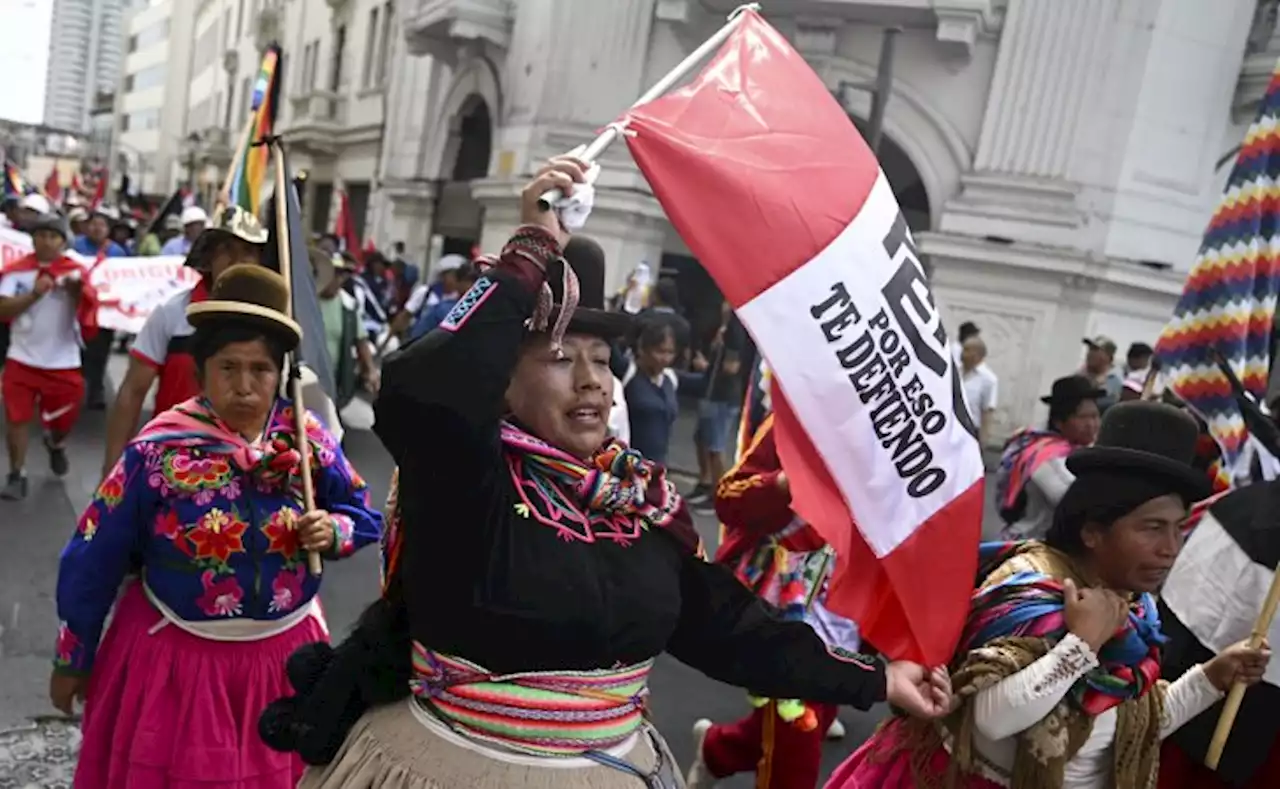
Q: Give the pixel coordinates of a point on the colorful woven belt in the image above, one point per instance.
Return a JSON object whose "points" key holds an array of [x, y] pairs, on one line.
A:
{"points": [[545, 713]]}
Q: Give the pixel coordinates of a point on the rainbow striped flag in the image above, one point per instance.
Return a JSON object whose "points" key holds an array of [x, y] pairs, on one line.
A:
{"points": [[15, 187], [250, 172], [1229, 300]]}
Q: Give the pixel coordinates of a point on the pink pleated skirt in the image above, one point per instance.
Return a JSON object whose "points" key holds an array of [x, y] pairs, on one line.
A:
{"points": [[882, 763], [170, 710]]}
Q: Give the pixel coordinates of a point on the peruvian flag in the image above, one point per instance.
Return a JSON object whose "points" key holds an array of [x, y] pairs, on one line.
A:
{"points": [[344, 227], [766, 178]]}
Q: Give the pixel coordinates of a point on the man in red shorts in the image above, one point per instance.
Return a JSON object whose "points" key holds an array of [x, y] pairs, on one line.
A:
{"points": [[159, 351], [51, 311]]}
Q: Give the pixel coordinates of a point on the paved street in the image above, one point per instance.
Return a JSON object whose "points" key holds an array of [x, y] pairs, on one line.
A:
{"points": [[35, 530]]}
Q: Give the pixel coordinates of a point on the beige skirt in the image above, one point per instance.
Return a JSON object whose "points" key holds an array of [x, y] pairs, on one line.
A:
{"points": [[400, 746]]}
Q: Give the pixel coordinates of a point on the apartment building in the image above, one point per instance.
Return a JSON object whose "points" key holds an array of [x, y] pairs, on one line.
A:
{"points": [[149, 142], [84, 59]]}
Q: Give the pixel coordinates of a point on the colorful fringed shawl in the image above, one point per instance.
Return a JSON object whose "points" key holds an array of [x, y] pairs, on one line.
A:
{"points": [[1023, 454], [1028, 603], [614, 496], [1015, 619], [272, 461]]}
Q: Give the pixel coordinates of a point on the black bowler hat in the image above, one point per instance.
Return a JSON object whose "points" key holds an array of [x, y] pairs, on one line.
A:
{"points": [[1147, 437], [1073, 388], [586, 258]]}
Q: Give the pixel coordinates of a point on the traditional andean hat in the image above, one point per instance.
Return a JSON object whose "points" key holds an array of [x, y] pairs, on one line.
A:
{"points": [[1073, 388], [587, 260], [1150, 438], [249, 293]]}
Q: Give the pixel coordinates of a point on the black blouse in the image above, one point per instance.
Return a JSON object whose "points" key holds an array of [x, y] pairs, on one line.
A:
{"points": [[484, 583]]}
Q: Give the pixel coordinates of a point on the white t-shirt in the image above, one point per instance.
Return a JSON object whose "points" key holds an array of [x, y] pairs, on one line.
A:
{"points": [[47, 335], [980, 388], [165, 322]]}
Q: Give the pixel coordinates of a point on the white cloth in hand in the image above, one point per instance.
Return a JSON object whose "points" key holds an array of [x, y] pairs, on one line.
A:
{"points": [[573, 210]]}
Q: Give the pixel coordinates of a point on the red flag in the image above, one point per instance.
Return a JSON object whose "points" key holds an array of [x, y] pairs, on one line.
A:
{"points": [[53, 187], [765, 176], [345, 229], [99, 191]]}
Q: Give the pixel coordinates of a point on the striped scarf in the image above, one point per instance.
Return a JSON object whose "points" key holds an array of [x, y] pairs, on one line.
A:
{"points": [[1028, 603], [616, 495], [1015, 619], [1023, 454]]}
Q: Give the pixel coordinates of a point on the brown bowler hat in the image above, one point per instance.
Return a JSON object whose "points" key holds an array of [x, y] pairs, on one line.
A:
{"points": [[250, 293]]}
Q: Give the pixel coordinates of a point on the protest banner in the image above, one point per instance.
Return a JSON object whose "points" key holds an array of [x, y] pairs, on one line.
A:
{"points": [[129, 288]]}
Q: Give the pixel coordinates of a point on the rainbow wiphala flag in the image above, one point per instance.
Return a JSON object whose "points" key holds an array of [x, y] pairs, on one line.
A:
{"points": [[1229, 300], [250, 172]]}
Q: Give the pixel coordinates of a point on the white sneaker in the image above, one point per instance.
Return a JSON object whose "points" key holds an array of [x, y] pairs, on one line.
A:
{"points": [[699, 776], [836, 731]]}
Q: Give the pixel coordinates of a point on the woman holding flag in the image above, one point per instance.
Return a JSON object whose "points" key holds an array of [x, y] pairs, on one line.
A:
{"points": [[540, 567], [1058, 671], [205, 503]]}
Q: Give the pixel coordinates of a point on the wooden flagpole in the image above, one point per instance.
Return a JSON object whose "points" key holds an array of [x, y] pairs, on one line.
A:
{"points": [[287, 263], [1232, 706], [246, 138]]}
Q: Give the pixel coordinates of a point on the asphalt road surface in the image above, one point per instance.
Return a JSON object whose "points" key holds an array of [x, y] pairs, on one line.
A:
{"points": [[33, 533]]}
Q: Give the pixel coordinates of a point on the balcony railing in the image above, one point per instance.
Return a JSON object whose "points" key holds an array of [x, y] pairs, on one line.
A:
{"points": [[320, 106]]}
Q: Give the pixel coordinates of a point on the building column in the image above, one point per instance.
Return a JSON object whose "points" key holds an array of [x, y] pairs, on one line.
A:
{"points": [[1050, 62]]}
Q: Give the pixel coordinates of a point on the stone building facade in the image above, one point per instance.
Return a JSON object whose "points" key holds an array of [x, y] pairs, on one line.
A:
{"points": [[1057, 160]]}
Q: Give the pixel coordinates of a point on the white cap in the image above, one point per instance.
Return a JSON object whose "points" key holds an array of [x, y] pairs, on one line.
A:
{"points": [[450, 263], [193, 214], [35, 202]]}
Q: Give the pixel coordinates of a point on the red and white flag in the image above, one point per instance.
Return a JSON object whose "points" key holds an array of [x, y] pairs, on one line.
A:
{"points": [[767, 180]]}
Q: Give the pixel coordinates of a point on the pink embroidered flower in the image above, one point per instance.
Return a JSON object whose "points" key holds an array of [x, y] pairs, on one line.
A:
{"points": [[287, 590], [67, 644], [198, 472], [221, 597]]}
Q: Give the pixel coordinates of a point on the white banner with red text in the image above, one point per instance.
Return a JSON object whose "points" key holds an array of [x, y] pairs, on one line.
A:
{"points": [[129, 288]]}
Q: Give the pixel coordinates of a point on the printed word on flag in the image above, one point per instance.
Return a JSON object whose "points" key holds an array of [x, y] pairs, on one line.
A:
{"points": [[765, 176]]}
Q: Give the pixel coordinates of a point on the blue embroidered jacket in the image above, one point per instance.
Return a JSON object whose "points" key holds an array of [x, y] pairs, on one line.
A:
{"points": [[213, 541]]}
